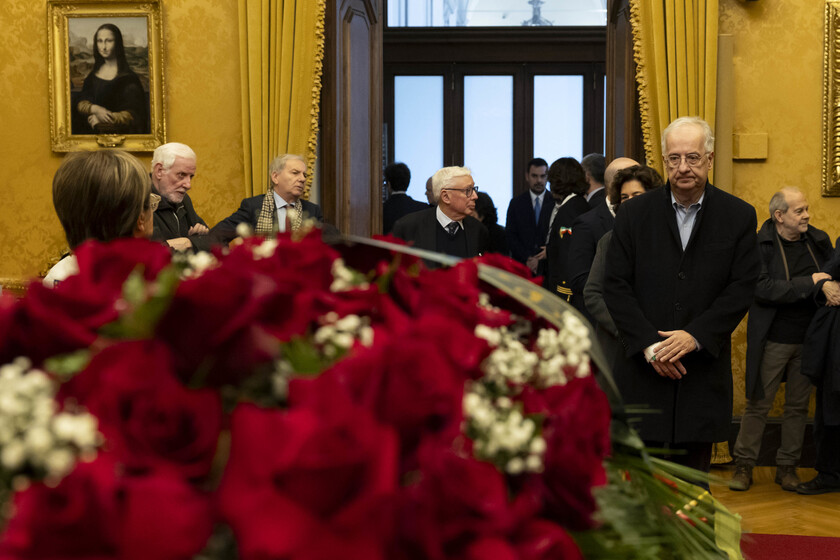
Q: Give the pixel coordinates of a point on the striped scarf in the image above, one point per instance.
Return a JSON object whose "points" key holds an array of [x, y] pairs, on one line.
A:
{"points": [[267, 219]]}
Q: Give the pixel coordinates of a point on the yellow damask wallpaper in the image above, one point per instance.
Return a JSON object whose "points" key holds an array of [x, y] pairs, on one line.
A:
{"points": [[201, 70], [778, 73]]}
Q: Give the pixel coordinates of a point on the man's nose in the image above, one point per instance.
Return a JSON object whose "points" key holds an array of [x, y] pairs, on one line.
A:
{"points": [[188, 183]]}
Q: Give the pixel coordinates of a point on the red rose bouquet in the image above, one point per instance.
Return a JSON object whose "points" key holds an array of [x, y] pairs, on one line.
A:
{"points": [[291, 399]]}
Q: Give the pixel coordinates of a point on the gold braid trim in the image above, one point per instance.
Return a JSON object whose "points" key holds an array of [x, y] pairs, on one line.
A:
{"points": [[637, 25], [315, 110]]}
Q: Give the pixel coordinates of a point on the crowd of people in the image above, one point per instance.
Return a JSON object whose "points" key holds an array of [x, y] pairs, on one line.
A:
{"points": [[665, 269]]}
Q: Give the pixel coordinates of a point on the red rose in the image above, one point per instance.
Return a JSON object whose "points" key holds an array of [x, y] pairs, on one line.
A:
{"points": [[149, 419], [77, 519], [543, 540], [164, 518], [48, 321], [576, 430], [412, 380], [455, 501], [312, 482], [240, 311]]}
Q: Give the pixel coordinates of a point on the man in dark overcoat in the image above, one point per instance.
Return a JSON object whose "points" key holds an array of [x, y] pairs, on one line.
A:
{"points": [[681, 271]]}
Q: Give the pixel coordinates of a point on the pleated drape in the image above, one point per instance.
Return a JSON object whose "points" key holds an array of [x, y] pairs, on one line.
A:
{"points": [[675, 48], [281, 53]]}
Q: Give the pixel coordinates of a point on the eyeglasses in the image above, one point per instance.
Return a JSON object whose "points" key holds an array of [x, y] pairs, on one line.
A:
{"points": [[154, 201], [692, 160], [468, 192]]}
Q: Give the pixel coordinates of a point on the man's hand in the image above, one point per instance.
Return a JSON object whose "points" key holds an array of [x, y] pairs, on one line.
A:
{"points": [[676, 345], [832, 293], [817, 276], [674, 370], [180, 243], [199, 229], [534, 260]]}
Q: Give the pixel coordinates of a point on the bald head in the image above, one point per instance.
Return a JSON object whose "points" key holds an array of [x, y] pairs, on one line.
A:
{"points": [[615, 166]]}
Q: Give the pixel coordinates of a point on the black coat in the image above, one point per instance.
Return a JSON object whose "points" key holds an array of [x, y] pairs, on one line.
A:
{"points": [[398, 205], [821, 351], [557, 274], [524, 235], [774, 289], [588, 229], [249, 212], [652, 284], [168, 226], [420, 228]]}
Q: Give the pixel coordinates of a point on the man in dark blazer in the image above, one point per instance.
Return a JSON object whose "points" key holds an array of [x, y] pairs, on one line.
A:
{"points": [[588, 229], [280, 209], [526, 227], [447, 228], [399, 204], [595, 166], [681, 271]]}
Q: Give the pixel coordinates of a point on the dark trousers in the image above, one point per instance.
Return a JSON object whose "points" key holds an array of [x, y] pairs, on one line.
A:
{"points": [[827, 439]]}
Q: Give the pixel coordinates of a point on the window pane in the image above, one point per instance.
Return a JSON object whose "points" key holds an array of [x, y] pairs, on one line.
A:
{"points": [[418, 128], [558, 117], [488, 136], [496, 13]]}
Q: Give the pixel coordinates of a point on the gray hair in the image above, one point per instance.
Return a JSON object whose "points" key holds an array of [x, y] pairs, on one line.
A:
{"points": [[443, 178], [779, 201], [166, 154], [279, 163], [708, 136]]}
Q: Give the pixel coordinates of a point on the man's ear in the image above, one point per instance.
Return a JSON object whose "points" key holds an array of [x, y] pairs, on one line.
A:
{"points": [[157, 170], [273, 177]]}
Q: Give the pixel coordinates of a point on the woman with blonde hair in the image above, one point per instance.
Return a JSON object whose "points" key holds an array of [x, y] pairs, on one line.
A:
{"points": [[101, 195]]}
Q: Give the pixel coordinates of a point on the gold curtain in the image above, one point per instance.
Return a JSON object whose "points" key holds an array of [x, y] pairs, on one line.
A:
{"points": [[675, 48], [281, 53]]}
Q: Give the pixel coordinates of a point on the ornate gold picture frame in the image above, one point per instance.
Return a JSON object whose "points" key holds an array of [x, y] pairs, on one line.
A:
{"points": [[106, 75], [831, 101]]}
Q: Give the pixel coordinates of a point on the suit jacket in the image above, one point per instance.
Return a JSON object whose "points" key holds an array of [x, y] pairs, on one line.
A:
{"points": [[420, 228], [773, 290], [524, 235], [598, 197], [248, 212], [588, 229], [557, 251], [652, 284], [398, 205]]}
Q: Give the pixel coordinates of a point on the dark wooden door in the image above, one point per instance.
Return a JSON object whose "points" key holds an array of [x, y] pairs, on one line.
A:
{"points": [[351, 116]]}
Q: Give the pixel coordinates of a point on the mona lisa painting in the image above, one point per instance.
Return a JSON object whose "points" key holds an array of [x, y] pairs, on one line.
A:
{"points": [[106, 82]]}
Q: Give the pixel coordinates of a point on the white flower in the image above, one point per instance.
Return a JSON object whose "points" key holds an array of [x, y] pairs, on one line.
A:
{"points": [[38, 441], [265, 249], [515, 466], [59, 462], [244, 230], [13, 455]]}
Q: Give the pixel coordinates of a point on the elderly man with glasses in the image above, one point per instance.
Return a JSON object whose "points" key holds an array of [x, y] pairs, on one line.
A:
{"points": [[447, 228], [681, 270]]}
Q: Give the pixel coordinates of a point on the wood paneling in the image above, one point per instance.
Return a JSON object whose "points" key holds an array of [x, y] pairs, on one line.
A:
{"points": [[351, 122], [624, 134]]}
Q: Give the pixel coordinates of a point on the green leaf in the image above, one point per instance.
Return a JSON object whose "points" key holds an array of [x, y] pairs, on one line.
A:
{"points": [[67, 365]]}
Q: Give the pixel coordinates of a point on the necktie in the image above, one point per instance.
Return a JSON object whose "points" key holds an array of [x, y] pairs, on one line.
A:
{"points": [[452, 228], [537, 208], [288, 217]]}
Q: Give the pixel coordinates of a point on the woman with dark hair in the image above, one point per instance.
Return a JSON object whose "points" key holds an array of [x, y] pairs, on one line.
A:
{"points": [[485, 212], [112, 99], [627, 183], [567, 181]]}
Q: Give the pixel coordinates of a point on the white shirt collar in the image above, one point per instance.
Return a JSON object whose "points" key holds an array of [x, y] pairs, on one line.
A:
{"points": [[445, 220]]}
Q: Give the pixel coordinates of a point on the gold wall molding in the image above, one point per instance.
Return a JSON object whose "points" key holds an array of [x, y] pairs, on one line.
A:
{"points": [[831, 101]]}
